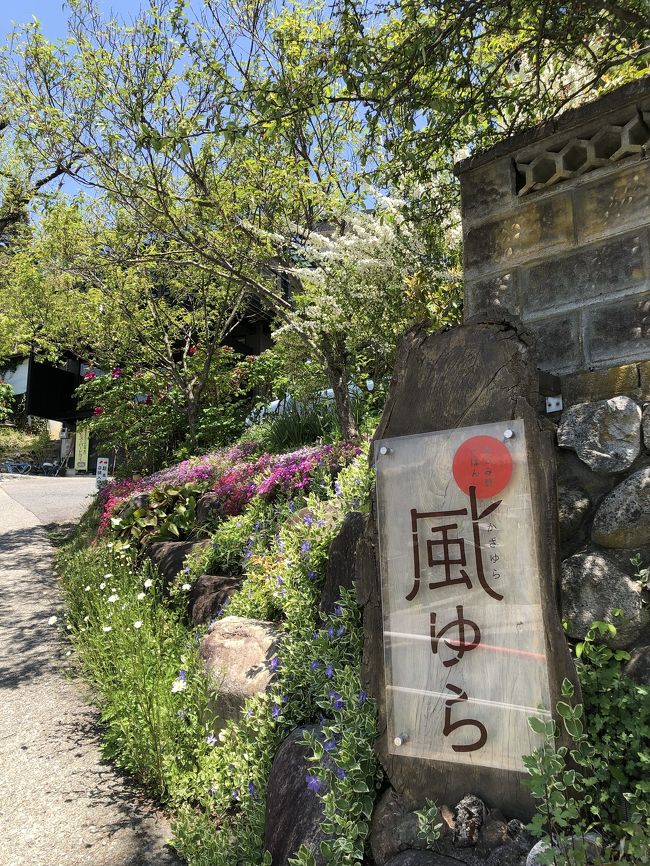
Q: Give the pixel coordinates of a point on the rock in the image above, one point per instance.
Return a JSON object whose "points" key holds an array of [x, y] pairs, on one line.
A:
{"points": [[421, 858], [392, 829], [573, 504], [593, 585], [236, 654], [169, 556], [208, 509], [493, 834], [645, 424], [591, 841], [463, 377], [638, 667], [606, 435], [341, 560], [208, 594], [506, 855], [623, 517], [469, 816], [294, 813]]}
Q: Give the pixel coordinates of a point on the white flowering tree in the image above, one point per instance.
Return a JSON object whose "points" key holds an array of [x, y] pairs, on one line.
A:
{"points": [[359, 283]]}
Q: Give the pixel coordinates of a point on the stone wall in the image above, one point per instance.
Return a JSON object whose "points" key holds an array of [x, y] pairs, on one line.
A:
{"points": [[556, 226], [604, 511]]}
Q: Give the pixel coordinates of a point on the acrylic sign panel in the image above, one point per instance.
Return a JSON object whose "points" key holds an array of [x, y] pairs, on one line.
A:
{"points": [[463, 628]]}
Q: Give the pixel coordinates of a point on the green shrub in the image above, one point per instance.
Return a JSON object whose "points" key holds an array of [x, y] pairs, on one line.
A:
{"points": [[144, 664], [601, 783]]}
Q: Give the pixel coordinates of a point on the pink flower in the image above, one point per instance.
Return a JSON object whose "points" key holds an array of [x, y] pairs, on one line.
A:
{"points": [[116, 372], [99, 410], [191, 350], [89, 375]]}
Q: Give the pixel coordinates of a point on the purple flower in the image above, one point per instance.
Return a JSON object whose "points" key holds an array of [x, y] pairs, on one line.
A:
{"points": [[212, 790], [329, 745], [279, 581], [330, 631], [305, 546], [252, 791], [363, 696], [274, 664], [337, 488], [340, 773], [329, 672], [211, 740], [312, 575], [314, 665], [308, 519], [320, 522], [340, 630], [182, 675], [235, 794], [312, 783], [275, 712], [338, 610], [339, 703], [186, 569]]}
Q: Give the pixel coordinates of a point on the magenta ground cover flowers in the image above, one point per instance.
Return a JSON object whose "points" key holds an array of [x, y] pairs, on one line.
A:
{"points": [[236, 475]]}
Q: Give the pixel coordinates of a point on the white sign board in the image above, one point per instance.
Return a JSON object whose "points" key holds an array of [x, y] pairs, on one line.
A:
{"points": [[464, 642], [102, 469]]}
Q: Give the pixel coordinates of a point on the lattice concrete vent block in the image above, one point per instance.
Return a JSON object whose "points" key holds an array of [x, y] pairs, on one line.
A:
{"points": [[578, 156]]}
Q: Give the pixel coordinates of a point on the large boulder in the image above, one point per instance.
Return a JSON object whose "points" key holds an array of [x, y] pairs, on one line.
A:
{"points": [[341, 560], [623, 517], [421, 858], [606, 435], [573, 505], [638, 667], [589, 846], [208, 595], [170, 556], [393, 829], [236, 655], [208, 509], [594, 585], [646, 427], [294, 811]]}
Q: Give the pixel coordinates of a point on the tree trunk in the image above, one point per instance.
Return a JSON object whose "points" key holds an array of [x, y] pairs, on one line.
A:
{"points": [[338, 380]]}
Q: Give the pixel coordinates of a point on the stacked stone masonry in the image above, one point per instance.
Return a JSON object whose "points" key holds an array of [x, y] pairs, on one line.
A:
{"points": [[604, 511], [556, 226]]}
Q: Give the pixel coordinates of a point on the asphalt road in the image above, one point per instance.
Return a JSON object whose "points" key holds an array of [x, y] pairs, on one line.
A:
{"points": [[60, 804]]}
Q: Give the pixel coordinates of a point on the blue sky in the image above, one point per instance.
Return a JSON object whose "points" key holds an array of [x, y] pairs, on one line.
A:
{"points": [[52, 13]]}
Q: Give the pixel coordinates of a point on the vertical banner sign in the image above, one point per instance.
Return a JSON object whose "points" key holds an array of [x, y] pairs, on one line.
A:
{"points": [[102, 469], [464, 642], [81, 447]]}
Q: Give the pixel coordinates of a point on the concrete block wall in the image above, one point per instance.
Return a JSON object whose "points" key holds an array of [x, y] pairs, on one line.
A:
{"points": [[556, 226]]}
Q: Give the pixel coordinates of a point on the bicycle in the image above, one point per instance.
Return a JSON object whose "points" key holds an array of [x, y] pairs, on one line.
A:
{"points": [[19, 467]]}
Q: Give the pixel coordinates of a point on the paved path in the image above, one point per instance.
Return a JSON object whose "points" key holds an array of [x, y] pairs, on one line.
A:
{"points": [[60, 805]]}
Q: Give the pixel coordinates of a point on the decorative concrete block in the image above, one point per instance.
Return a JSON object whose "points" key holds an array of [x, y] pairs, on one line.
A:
{"points": [[497, 292], [558, 343], [590, 273], [619, 331], [535, 230], [618, 201]]}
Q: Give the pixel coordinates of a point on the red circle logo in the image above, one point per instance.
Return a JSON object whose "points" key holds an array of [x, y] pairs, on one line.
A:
{"points": [[485, 463]]}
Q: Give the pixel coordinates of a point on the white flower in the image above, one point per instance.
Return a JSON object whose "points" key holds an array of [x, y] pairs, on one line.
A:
{"points": [[86, 589], [86, 618], [68, 654], [108, 574], [137, 623], [179, 686], [107, 628], [113, 598], [148, 582], [52, 620], [102, 585], [140, 596], [186, 587]]}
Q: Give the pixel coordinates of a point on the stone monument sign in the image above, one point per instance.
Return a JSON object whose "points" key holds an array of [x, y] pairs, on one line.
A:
{"points": [[464, 647]]}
